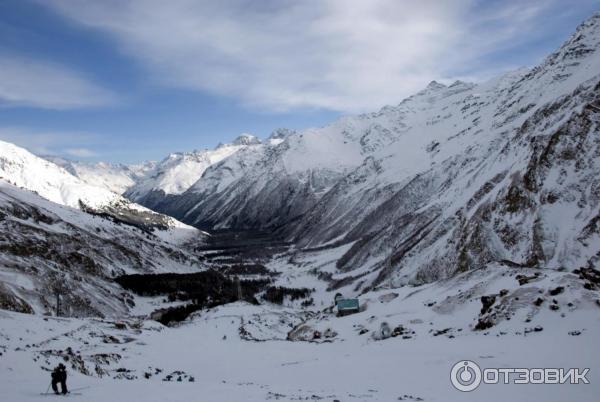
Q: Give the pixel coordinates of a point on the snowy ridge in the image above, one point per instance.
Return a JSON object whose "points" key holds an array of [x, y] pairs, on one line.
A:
{"points": [[26, 170], [21, 168], [178, 171], [114, 177]]}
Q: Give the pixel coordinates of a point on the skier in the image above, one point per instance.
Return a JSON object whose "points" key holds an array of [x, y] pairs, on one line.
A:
{"points": [[59, 375]]}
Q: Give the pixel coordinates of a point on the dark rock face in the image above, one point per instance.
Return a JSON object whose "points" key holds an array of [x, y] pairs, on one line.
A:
{"points": [[487, 302], [156, 200], [9, 301]]}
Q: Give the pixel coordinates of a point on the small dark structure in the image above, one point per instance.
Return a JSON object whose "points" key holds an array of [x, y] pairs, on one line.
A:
{"points": [[346, 306]]}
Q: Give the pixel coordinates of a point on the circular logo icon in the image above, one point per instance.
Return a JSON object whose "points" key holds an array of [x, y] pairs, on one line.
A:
{"points": [[465, 375]]}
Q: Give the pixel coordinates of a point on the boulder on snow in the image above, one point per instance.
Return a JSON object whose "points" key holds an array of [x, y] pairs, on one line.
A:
{"points": [[383, 332]]}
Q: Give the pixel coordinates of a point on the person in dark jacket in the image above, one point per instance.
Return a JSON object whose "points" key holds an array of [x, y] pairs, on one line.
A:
{"points": [[59, 375]]}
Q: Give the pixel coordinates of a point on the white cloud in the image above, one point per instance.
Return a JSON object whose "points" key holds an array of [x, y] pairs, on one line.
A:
{"points": [[27, 82], [44, 142], [347, 55], [80, 152]]}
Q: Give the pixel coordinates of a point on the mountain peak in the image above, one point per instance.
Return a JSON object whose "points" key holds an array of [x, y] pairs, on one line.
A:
{"points": [[435, 85], [246, 139], [281, 133], [582, 43], [458, 83], [592, 22]]}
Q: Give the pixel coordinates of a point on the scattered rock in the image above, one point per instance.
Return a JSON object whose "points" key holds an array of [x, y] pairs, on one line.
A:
{"points": [[524, 279], [484, 323], [110, 339], [179, 375], [487, 302], [441, 331], [329, 333], [400, 330], [125, 374], [120, 325], [388, 297], [406, 397], [591, 277], [534, 329], [301, 333]]}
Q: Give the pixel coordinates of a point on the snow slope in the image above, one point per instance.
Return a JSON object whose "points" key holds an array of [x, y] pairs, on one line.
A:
{"points": [[45, 247], [212, 355]]}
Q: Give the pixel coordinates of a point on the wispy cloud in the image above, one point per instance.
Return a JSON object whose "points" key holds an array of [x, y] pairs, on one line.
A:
{"points": [[43, 142], [346, 55], [80, 152], [29, 82]]}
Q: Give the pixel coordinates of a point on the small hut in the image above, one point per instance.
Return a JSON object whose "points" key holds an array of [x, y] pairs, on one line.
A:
{"points": [[346, 306]]}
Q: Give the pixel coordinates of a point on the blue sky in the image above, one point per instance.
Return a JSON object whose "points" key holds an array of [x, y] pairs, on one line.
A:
{"points": [[130, 80]]}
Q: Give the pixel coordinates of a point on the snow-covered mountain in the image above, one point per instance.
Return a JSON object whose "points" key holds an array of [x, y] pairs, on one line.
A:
{"points": [[451, 179], [47, 247], [178, 171], [268, 184], [58, 233], [21, 168], [114, 177]]}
